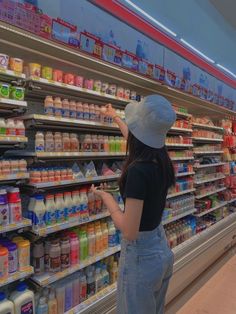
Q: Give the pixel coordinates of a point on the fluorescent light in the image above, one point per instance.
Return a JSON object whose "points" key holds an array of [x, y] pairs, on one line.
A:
{"points": [[196, 50], [226, 70], [150, 17]]}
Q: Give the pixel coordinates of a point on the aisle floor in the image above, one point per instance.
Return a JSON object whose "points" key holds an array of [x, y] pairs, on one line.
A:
{"points": [[217, 295]]}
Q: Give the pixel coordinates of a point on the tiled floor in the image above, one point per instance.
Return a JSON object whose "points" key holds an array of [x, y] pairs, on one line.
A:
{"points": [[217, 295]]}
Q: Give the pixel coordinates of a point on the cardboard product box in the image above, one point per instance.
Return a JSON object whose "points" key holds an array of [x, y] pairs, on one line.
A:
{"points": [[112, 53], [159, 73], [91, 44], [64, 32], [130, 61]]}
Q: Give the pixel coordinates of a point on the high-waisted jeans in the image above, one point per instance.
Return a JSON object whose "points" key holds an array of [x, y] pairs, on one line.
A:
{"points": [[145, 269]]}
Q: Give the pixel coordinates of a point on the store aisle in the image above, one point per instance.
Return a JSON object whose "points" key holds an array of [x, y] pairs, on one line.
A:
{"points": [[217, 296]]}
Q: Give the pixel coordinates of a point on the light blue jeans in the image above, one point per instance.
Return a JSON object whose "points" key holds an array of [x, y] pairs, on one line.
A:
{"points": [[145, 268]]}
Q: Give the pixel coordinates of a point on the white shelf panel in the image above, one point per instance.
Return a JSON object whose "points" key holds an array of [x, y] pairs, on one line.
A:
{"points": [[178, 145], [210, 165], [11, 227], [210, 193], [183, 114], [209, 180], [13, 139], [222, 204], [181, 158], [184, 174], [205, 126], [180, 193], [48, 278], [16, 276], [182, 130], [206, 139], [70, 182], [13, 177], [11, 73], [208, 152], [184, 214], [68, 224], [12, 102]]}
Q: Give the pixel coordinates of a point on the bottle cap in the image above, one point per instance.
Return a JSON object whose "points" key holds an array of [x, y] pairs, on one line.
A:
{"points": [[21, 287], [2, 296]]}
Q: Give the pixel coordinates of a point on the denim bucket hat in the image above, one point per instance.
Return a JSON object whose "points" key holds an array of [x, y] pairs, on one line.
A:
{"points": [[150, 120]]}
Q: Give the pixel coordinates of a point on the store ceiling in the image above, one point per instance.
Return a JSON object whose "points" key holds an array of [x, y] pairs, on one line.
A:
{"points": [[227, 9]]}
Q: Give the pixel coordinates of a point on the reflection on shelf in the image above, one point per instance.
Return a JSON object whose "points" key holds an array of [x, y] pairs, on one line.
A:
{"points": [[6, 103], [206, 139], [16, 276], [184, 174]]}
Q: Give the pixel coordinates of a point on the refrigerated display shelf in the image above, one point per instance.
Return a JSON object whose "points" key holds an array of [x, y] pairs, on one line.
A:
{"points": [[13, 139], [207, 139], [184, 214], [209, 180], [17, 276], [178, 145], [207, 152], [43, 185], [222, 204], [16, 226], [180, 193], [209, 165], [48, 278], [9, 74], [11, 103], [210, 193], [205, 126], [93, 300], [14, 177], [42, 232], [184, 174], [79, 91]]}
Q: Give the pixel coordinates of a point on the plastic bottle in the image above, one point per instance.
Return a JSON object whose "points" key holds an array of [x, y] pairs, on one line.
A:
{"points": [[106, 144], [73, 109], [12, 257], [83, 288], [68, 212], [91, 203], [55, 256], [60, 296], [74, 248], [91, 241], [23, 254], [66, 142], [114, 273], [4, 208], [105, 236], [95, 144], [3, 262], [57, 107], [39, 142], [49, 142], [39, 211], [84, 214], [60, 207], [23, 299], [101, 143], [98, 204], [74, 142], [87, 143], [99, 239], [68, 295], [92, 114], [80, 111], [65, 108], [10, 128], [83, 244], [65, 252], [98, 280], [50, 207], [2, 127], [117, 144], [6, 306], [49, 106], [86, 111], [76, 204], [14, 203], [58, 142], [111, 234], [20, 128], [38, 257], [42, 307], [106, 276], [76, 289], [91, 287], [52, 303]]}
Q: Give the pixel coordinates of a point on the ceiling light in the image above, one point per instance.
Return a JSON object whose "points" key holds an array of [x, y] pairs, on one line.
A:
{"points": [[196, 50], [150, 17], [226, 70]]}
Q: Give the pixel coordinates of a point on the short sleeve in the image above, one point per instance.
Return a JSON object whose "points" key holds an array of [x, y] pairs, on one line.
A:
{"points": [[136, 184]]}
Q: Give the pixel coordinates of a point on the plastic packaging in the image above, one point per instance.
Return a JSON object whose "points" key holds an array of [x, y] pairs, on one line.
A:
{"points": [[23, 254], [3, 262], [6, 306], [23, 299]]}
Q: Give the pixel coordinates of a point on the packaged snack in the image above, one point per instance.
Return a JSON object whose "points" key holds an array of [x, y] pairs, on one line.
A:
{"points": [[4, 90], [47, 73], [57, 76], [89, 170], [16, 65], [35, 69], [4, 61], [69, 79], [77, 173], [17, 93], [106, 171]]}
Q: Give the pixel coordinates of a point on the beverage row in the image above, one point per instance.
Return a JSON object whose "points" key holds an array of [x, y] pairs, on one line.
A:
{"points": [[71, 142], [71, 247], [182, 185], [12, 166], [208, 203], [178, 140], [180, 153], [178, 206], [78, 110], [209, 187], [207, 134], [56, 208], [11, 127], [10, 206], [207, 148], [182, 167], [10, 91], [14, 255]]}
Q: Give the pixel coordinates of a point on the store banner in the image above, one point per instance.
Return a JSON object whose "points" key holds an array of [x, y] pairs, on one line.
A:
{"points": [[73, 23]]}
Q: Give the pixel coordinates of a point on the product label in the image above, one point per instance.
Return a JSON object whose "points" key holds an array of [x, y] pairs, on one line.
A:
{"points": [[86, 115], [39, 148], [95, 147], [80, 115], [106, 280], [39, 220], [60, 215], [15, 212], [71, 211], [92, 116], [87, 147], [74, 210], [49, 147], [65, 113], [112, 240], [66, 213], [65, 260], [55, 264], [58, 112], [12, 261], [4, 215], [27, 308], [49, 111], [91, 289], [73, 114]]}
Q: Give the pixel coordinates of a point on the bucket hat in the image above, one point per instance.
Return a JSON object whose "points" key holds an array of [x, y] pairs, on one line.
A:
{"points": [[150, 120]]}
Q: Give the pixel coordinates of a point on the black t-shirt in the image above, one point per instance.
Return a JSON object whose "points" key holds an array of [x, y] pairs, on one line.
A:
{"points": [[144, 181]]}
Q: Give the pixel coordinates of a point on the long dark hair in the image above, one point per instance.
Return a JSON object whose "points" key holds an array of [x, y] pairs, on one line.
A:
{"points": [[139, 152]]}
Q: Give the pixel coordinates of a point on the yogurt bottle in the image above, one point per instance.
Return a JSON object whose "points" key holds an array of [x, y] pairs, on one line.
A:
{"points": [[50, 210], [57, 107], [80, 111], [86, 111], [65, 108], [39, 211], [6, 306], [49, 142], [73, 109], [39, 142], [92, 114], [49, 106], [58, 142], [23, 299]]}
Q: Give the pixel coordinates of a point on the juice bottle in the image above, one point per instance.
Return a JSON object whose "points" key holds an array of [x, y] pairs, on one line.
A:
{"points": [[114, 273], [20, 128], [74, 142], [68, 294], [60, 296], [91, 242], [65, 252], [39, 142], [74, 248], [99, 239], [52, 303], [106, 144], [60, 206], [117, 144], [2, 127], [58, 142], [57, 107], [50, 210], [105, 236], [65, 108], [80, 110], [101, 143], [68, 213], [66, 147], [111, 234], [87, 143], [84, 214], [95, 144], [49, 142], [49, 106], [91, 203], [83, 243], [91, 286], [106, 276]]}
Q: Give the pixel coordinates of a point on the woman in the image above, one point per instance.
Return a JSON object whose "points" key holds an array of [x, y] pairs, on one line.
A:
{"points": [[146, 261]]}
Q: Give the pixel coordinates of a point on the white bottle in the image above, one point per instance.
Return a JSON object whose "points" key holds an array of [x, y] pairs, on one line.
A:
{"points": [[76, 204], [60, 207], [68, 205], [42, 306], [23, 299], [20, 128], [84, 205], [6, 306], [39, 211], [39, 142], [50, 210]]}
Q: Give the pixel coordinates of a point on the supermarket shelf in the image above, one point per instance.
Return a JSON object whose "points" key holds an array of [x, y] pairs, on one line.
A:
{"points": [[209, 180], [94, 300], [68, 224], [184, 174], [72, 182], [178, 145], [181, 158], [11, 74], [222, 204], [13, 139], [210, 193], [180, 193], [14, 177], [48, 278], [11, 103], [183, 114], [57, 87], [181, 130], [16, 276], [20, 225], [184, 214], [232, 201], [205, 126], [206, 139], [210, 165], [208, 152]]}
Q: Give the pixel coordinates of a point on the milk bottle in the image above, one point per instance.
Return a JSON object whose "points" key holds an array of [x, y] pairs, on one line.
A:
{"points": [[39, 211], [50, 210]]}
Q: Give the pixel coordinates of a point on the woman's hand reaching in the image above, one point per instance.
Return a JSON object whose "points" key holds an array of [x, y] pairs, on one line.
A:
{"points": [[110, 111]]}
